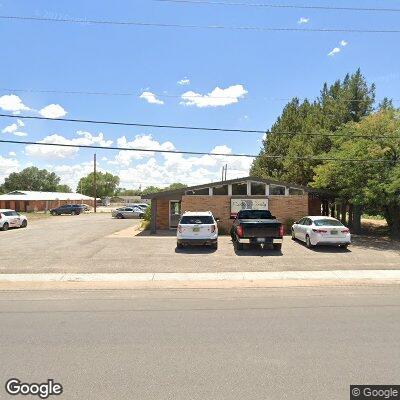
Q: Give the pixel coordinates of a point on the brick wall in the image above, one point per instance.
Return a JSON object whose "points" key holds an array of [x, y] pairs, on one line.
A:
{"points": [[220, 206], [162, 220], [283, 207], [288, 207], [39, 205]]}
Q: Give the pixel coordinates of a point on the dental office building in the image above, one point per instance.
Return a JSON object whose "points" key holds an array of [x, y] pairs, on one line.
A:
{"points": [[224, 199]]}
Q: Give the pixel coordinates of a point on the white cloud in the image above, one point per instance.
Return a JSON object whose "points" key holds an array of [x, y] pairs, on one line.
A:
{"points": [[55, 152], [335, 51], [303, 20], [12, 103], [184, 81], [20, 122], [7, 166], [151, 98], [10, 128], [12, 153], [124, 157], [53, 111], [216, 98], [13, 129], [71, 174], [192, 170], [343, 43]]}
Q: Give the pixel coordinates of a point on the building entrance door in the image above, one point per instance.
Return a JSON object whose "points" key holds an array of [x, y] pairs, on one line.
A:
{"points": [[174, 213]]}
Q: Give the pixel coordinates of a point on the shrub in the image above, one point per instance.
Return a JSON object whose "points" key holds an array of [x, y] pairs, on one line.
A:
{"points": [[147, 214], [288, 224]]}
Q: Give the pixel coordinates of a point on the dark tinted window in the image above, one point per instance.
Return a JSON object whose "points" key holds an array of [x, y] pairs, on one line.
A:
{"points": [[9, 213], [327, 222], [202, 219], [254, 214]]}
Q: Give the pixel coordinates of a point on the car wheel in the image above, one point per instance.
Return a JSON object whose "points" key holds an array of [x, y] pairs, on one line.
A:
{"points": [[238, 245], [344, 246], [179, 245], [119, 216], [5, 226], [308, 242], [24, 223], [53, 213], [293, 235], [277, 246], [73, 212], [215, 246]]}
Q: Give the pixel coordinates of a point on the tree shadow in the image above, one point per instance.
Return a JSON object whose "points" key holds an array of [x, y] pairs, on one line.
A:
{"points": [[379, 243]]}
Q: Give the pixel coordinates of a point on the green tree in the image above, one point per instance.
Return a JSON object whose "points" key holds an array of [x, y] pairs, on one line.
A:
{"points": [[295, 134], [31, 178], [374, 185], [106, 183], [64, 189]]}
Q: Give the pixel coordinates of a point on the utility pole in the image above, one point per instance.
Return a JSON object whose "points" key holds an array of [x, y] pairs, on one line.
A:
{"points": [[94, 183]]}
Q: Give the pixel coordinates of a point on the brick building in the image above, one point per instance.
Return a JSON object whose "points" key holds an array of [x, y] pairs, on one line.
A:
{"points": [[224, 199], [24, 200]]}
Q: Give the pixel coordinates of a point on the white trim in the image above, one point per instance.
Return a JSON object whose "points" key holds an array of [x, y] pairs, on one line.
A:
{"points": [[210, 191], [230, 189]]}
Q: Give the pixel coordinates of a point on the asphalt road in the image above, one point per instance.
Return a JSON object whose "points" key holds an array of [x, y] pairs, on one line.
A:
{"points": [[98, 243], [207, 344]]}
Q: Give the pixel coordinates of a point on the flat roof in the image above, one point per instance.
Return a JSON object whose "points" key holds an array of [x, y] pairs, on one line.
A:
{"points": [[28, 195], [228, 182]]}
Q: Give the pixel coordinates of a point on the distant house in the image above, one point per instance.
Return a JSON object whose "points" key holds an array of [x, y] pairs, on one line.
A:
{"points": [[25, 200]]}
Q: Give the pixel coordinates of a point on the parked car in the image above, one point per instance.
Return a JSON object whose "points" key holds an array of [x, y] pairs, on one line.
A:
{"points": [[127, 212], [143, 206], [257, 227], [72, 209], [197, 228], [85, 207], [12, 219], [321, 231]]}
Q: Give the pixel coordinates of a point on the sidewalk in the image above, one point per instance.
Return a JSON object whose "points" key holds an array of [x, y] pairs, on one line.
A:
{"points": [[198, 280]]}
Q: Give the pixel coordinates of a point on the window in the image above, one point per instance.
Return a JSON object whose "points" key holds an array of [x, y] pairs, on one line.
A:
{"points": [[198, 192], [194, 219], [257, 189], [327, 222], [239, 188], [295, 192], [220, 190], [277, 190]]}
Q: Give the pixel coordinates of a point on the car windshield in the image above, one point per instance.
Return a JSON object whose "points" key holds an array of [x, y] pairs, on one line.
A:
{"points": [[201, 219], [254, 214], [327, 222]]}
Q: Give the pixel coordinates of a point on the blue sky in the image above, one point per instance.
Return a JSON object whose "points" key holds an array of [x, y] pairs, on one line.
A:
{"points": [[253, 69]]}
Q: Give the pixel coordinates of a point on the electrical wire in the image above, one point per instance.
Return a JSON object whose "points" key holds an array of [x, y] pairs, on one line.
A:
{"points": [[193, 26], [290, 6], [197, 128], [104, 93], [96, 147]]}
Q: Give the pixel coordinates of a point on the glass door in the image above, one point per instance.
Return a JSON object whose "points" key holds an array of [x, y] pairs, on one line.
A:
{"points": [[174, 213]]}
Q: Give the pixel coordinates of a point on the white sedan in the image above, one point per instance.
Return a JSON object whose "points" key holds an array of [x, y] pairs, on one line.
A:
{"points": [[321, 231], [12, 219]]}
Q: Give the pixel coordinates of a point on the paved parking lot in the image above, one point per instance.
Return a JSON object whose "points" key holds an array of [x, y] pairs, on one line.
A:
{"points": [[98, 243]]}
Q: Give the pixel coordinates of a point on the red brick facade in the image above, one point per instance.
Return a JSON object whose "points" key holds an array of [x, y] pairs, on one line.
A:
{"points": [[285, 208], [40, 205]]}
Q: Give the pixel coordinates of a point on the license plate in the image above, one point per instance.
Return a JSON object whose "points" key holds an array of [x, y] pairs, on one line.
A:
{"points": [[260, 240], [334, 232], [196, 229]]}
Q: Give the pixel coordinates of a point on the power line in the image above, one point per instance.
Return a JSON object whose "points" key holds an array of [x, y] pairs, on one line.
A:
{"points": [[106, 93], [197, 128], [290, 6], [198, 153], [188, 26]]}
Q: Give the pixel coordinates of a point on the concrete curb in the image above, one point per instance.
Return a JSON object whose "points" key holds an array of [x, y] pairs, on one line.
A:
{"points": [[335, 275]]}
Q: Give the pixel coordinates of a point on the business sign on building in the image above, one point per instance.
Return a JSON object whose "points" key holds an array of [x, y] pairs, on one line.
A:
{"points": [[247, 204]]}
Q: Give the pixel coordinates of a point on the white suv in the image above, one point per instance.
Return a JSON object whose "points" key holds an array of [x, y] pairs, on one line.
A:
{"points": [[198, 228], [12, 219]]}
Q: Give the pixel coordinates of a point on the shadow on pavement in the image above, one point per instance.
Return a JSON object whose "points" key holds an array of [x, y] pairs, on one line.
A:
{"points": [[376, 243], [257, 251], [195, 250]]}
